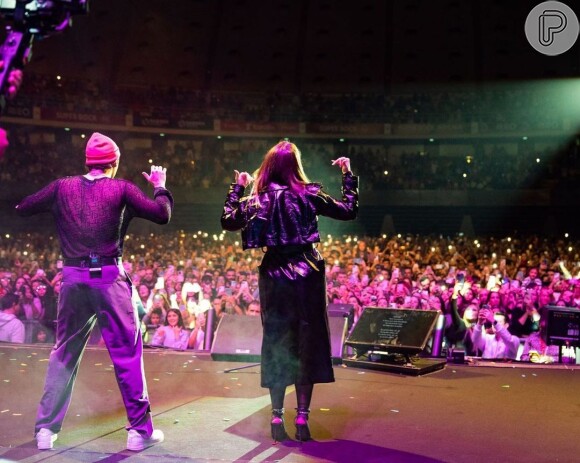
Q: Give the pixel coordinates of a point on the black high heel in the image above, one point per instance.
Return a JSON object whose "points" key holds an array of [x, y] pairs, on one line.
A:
{"points": [[277, 425], [301, 422]]}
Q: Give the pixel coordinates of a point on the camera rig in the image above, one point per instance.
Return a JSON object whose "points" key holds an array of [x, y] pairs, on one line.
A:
{"points": [[27, 19]]}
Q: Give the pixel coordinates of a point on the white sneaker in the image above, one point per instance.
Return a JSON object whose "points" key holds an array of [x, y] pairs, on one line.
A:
{"points": [[136, 441], [45, 439]]}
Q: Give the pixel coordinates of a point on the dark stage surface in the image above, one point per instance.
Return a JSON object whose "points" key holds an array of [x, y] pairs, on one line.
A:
{"points": [[459, 414]]}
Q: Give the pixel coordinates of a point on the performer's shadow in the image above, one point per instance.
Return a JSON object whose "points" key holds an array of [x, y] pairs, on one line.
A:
{"points": [[337, 451], [256, 427]]}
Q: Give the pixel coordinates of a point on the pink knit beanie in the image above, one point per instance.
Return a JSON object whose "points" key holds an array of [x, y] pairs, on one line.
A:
{"points": [[101, 150]]}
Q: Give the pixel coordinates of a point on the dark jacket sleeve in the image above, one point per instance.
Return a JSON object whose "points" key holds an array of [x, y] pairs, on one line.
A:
{"points": [[347, 207], [233, 217], [456, 319]]}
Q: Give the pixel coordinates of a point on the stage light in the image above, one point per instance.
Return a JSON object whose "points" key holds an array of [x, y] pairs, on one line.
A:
{"points": [[431, 140], [566, 235], [538, 160], [570, 248], [464, 175], [524, 138], [7, 235], [386, 172]]}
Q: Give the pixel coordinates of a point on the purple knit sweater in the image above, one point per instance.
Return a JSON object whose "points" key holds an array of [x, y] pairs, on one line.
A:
{"points": [[92, 216]]}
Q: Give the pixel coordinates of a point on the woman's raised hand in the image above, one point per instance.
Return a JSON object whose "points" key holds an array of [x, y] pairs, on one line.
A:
{"points": [[243, 178], [343, 163]]}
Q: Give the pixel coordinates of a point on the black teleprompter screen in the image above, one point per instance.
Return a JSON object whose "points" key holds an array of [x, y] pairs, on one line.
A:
{"points": [[393, 330]]}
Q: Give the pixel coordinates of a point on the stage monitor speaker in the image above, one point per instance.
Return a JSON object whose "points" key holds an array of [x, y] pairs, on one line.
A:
{"points": [[563, 326], [238, 338], [390, 339], [338, 328], [393, 330], [342, 310]]}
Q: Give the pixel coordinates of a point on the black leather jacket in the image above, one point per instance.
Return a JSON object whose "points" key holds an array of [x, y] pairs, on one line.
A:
{"points": [[284, 217]]}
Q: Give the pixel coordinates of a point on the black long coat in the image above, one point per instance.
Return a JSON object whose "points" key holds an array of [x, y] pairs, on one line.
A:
{"points": [[292, 282]]}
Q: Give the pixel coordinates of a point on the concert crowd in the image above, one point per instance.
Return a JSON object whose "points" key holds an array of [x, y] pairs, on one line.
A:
{"points": [[198, 273]]}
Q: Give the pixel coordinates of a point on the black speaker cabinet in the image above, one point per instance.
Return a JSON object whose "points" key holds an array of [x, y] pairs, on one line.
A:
{"points": [[342, 310], [238, 338], [338, 328]]}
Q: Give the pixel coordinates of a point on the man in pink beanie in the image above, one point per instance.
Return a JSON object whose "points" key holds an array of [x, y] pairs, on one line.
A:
{"points": [[92, 213], [101, 150]]}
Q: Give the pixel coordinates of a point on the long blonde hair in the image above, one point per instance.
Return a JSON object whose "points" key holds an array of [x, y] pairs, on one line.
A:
{"points": [[282, 164]]}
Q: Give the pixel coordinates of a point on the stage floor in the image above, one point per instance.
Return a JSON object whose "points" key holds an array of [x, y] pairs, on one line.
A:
{"points": [[458, 414]]}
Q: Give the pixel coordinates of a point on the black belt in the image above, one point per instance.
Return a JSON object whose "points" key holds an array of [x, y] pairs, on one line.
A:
{"points": [[86, 261], [290, 249]]}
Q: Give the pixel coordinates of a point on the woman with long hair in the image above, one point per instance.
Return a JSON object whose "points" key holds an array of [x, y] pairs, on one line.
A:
{"points": [[173, 333], [280, 216]]}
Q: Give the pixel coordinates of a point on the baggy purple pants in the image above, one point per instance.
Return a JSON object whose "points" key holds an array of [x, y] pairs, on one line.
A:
{"points": [[83, 301]]}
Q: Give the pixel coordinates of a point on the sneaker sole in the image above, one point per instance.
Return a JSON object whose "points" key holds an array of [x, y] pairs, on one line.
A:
{"points": [[144, 446], [47, 445]]}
